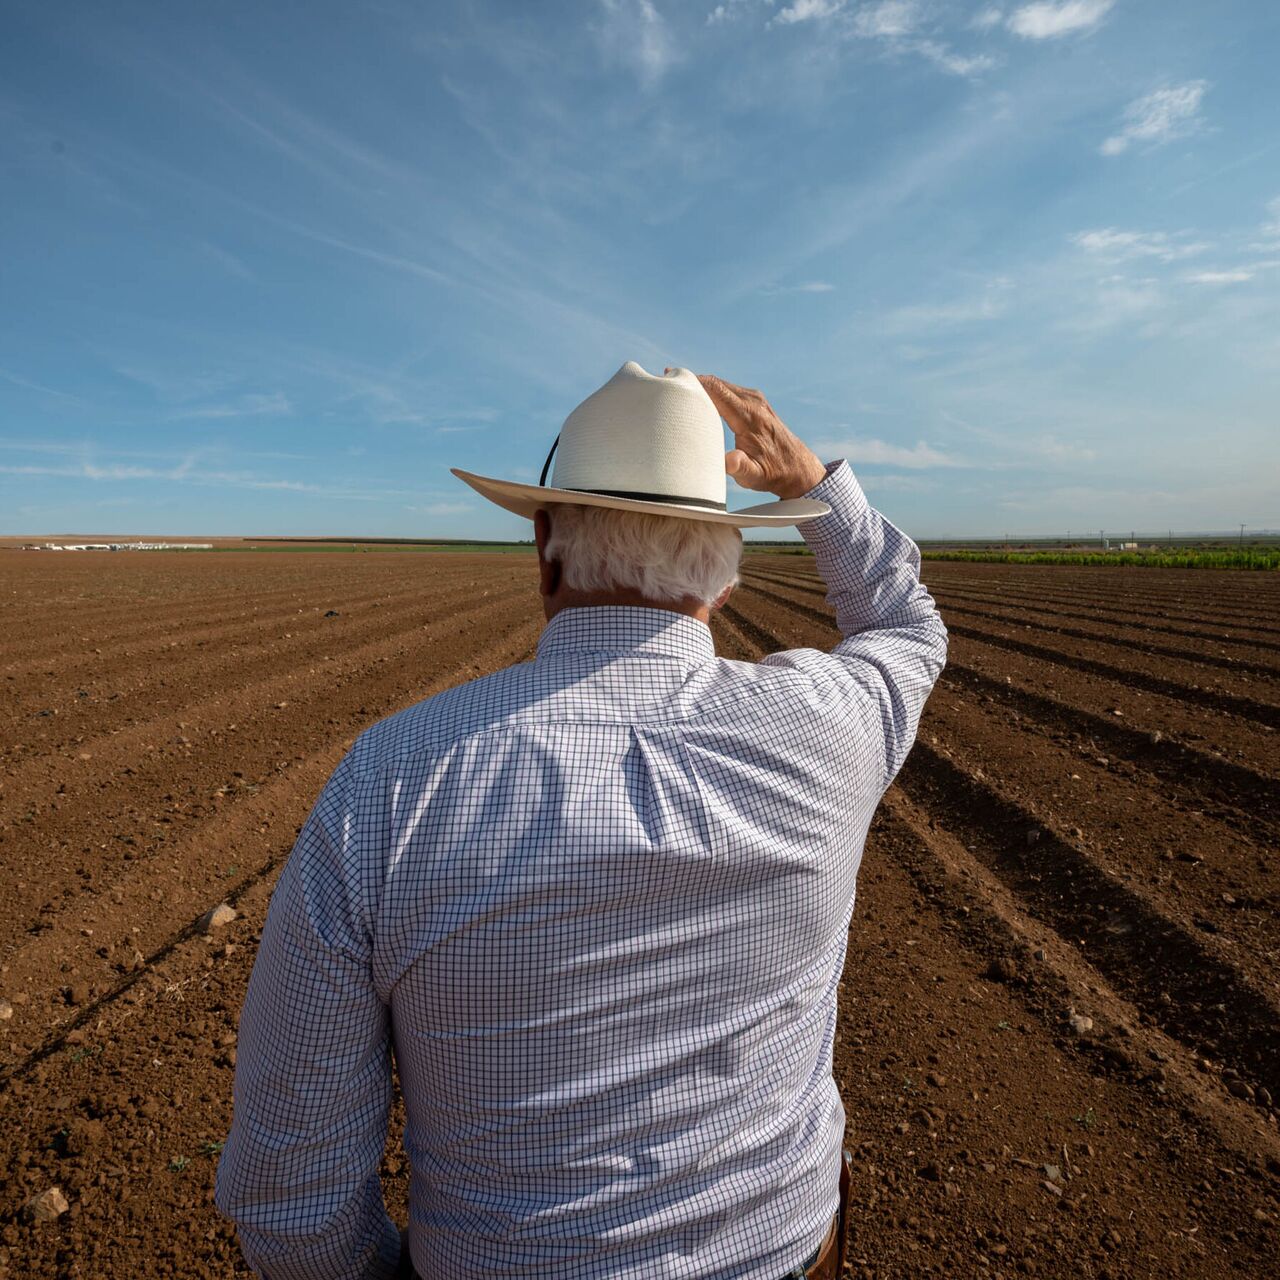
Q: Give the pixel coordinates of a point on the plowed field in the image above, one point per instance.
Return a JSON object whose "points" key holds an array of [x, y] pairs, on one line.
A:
{"points": [[1086, 830]]}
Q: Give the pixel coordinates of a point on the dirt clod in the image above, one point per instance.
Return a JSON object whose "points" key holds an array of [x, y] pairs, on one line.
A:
{"points": [[47, 1206], [217, 918]]}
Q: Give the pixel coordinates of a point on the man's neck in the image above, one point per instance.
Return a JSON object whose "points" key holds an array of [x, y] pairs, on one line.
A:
{"points": [[567, 599]]}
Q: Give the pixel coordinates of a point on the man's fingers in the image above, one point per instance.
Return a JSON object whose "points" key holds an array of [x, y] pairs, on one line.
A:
{"points": [[724, 395], [744, 469]]}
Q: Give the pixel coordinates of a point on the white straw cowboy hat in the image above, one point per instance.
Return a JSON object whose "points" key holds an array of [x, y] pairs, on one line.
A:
{"points": [[642, 443]]}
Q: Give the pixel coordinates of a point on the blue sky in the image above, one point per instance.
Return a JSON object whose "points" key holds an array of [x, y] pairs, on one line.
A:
{"points": [[274, 267]]}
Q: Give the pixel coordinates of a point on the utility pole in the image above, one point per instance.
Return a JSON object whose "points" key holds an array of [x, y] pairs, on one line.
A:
{"points": [[1242, 535]]}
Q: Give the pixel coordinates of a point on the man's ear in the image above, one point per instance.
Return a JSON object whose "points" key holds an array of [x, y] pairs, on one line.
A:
{"points": [[548, 570], [723, 598]]}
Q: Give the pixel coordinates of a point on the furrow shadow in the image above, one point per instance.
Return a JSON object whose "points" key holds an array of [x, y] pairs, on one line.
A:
{"points": [[1231, 704], [1170, 975], [1185, 768], [1042, 604], [1118, 642]]}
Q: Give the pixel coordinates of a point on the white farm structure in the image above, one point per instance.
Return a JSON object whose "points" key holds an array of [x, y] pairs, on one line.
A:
{"points": [[124, 546]]}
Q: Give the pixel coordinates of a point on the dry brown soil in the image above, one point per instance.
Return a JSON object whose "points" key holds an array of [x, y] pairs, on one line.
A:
{"points": [[1086, 827]]}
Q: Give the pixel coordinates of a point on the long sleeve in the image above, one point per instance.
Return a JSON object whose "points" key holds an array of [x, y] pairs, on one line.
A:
{"points": [[299, 1174], [894, 643]]}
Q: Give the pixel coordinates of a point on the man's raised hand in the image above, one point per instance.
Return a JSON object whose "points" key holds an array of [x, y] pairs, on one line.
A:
{"points": [[769, 457]]}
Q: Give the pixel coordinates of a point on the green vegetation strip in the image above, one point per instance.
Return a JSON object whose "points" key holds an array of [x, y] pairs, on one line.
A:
{"points": [[1269, 559]]}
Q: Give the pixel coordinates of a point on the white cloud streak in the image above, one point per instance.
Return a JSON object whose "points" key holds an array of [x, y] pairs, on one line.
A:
{"points": [[1158, 117], [1271, 228], [920, 456], [1115, 245], [809, 286], [186, 472], [27, 384], [1238, 275], [899, 25], [248, 406], [635, 35], [1048, 21], [957, 64], [887, 19], [806, 11], [729, 11], [934, 315]]}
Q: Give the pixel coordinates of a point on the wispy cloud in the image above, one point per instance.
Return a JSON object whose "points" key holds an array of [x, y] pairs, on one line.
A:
{"points": [[947, 59], [1119, 300], [1047, 21], [257, 404], [112, 471], [987, 18], [1115, 245], [29, 384], [809, 286], [1270, 229], [932, 315], [190, 472], [1063, 451], [806, 11], [900, 27], [227, 260], [899, 482], [920, 456], [730, 10], [1238, 275], [633, 34], [441, 508], [1159, 117], [887, 19]]}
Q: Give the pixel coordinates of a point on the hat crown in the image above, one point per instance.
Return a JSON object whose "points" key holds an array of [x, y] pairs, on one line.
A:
{"points": [[645, 435]]}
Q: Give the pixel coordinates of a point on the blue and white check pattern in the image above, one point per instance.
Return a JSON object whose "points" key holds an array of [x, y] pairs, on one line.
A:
{"points": [[598, 903]]}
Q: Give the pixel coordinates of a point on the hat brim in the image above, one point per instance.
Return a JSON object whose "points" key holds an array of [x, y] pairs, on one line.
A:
{"points": [[525, 499]]}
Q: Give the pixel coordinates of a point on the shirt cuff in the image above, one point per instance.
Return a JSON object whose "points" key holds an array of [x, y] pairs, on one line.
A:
{"points": [[840, 490]]}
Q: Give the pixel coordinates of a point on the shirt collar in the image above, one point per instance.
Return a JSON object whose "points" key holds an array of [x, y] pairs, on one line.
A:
{"points": [[623, 629]]}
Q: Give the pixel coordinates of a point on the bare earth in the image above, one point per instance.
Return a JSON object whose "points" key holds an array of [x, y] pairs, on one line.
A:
{"points": [[1086, 829]]}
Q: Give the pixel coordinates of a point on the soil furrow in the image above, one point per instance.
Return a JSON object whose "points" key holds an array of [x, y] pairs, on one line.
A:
{"points": [[191, 608], [1231, 704], [1251, 610], [1174, 978], [79, 712], [300, 615], [1118, 641], [1040, 604], [1203, 777], [1054, 978]]}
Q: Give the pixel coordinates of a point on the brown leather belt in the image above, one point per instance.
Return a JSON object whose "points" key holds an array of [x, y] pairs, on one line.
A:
{"points": [[829, 1264]]}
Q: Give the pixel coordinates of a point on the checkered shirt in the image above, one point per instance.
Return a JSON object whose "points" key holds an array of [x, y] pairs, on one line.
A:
{"points": [[597, 906]]}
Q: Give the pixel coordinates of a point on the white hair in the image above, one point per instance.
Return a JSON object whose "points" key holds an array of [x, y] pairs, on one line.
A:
{"points": [[664, 558]]}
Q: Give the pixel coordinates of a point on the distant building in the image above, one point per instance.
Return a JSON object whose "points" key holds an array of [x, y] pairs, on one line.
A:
{"points": [[122, 546]]}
